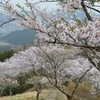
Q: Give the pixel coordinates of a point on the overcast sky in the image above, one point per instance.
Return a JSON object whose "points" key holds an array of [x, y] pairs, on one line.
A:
{"points": [[50, 5]]}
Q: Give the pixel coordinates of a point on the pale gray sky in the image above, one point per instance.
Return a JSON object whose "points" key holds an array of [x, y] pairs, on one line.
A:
{"points": [[50, 5]]}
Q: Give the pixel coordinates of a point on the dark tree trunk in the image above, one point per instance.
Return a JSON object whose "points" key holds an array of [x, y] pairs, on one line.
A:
{"points": [[38, 94], [68, 97]]}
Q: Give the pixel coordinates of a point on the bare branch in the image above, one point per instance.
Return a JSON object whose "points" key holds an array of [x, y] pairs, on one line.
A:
{"points": [[85, 10], [6, 22], [93, 8], [79, 80], [48, 1], [77, 45]]}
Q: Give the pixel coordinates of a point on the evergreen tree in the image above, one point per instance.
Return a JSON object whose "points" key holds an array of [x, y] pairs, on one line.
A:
{"points": [[5, 55]]}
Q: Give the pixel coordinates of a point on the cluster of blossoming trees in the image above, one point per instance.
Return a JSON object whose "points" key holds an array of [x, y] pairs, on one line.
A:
{"points": [[66, 50]]}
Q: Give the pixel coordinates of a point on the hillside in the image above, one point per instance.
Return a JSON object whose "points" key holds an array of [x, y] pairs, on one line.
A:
{"points": [[18, 37], [46, 94]]}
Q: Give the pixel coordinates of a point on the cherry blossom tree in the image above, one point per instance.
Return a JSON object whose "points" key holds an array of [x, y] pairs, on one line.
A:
{"points": [[7, 82], [59, 64], [39, 82], [59, 70], [55, 28]]}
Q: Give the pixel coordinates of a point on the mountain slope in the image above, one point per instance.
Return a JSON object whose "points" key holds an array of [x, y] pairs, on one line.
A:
{"points": [[20, 37], [15, 38]]}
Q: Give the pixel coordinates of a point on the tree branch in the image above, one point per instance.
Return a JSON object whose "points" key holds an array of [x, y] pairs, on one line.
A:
{"points": [[85, 10], [72, 94], [48, 1], [77, 45], [6, 22], [93, 8]]}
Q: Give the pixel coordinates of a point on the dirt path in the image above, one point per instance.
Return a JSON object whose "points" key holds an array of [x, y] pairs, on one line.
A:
{"points": [[53, 95]]}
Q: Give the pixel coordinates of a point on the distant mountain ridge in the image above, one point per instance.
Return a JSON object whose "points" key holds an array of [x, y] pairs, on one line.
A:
{"points": [[18, 37], [9, 27]]}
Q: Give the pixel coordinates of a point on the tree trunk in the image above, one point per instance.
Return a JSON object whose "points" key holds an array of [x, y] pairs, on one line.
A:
{"points": [[10, 92], [69, 97], [38, 94], [1, 92]]}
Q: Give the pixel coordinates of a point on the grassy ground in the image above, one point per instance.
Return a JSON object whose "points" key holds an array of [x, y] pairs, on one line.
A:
{"points": [[47, 94], [26, 96], [51, 93]]}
